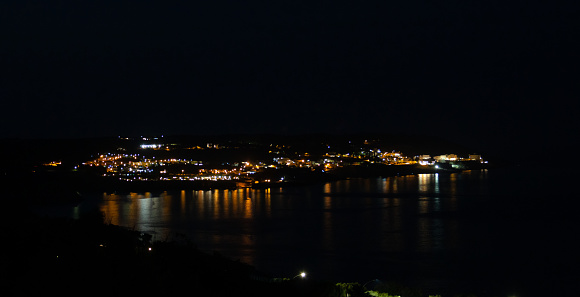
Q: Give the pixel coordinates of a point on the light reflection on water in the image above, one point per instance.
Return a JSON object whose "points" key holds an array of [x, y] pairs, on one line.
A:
{"points": [[437, 230], [380, 216]]}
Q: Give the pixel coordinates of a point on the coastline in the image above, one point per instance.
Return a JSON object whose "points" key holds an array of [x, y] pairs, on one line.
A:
{"points": [[58, 188]]}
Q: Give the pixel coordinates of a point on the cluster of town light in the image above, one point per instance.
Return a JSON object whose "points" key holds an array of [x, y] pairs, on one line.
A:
{"points": [[134, 167]]}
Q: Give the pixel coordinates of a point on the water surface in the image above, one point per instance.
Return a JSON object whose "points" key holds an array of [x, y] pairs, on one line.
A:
{"points": [[494, 230]]}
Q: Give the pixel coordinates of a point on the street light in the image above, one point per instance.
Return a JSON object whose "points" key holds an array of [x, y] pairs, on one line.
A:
{"points": [[302, 275]]}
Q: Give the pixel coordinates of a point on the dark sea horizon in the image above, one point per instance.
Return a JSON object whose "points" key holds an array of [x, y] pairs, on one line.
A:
{"points": [[508, 231]]}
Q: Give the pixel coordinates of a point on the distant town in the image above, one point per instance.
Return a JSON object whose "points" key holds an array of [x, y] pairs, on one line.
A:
{"points": [[250, 163]]}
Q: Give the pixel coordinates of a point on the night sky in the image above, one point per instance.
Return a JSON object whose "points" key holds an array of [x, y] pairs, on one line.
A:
{"points": [[493, 75]]}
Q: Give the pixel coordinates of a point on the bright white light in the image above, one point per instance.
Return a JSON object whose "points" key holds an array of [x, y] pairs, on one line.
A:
{"points": [[303, 274]]}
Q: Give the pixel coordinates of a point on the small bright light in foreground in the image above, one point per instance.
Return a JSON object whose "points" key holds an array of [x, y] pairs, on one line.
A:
{"points": [[149, 248], [301, 274]]}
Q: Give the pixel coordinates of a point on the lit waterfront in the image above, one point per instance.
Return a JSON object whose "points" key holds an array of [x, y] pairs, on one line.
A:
{"points": [[159, 162]]}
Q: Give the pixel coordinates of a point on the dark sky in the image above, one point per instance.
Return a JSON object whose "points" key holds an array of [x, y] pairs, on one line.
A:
{"points": [[490, 74]]}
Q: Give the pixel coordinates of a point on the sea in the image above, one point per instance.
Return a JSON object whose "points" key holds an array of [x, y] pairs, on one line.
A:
{"points": [[509, 231]]}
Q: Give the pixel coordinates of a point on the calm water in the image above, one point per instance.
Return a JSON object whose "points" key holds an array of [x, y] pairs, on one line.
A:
{"points": [[510, 231]]}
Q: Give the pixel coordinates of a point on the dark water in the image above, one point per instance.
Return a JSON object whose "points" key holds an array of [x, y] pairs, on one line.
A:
{"points": [[502, 232]]}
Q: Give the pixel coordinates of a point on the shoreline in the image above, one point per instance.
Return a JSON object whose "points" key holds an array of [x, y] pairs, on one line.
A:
{"points": [[48, 189]]}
